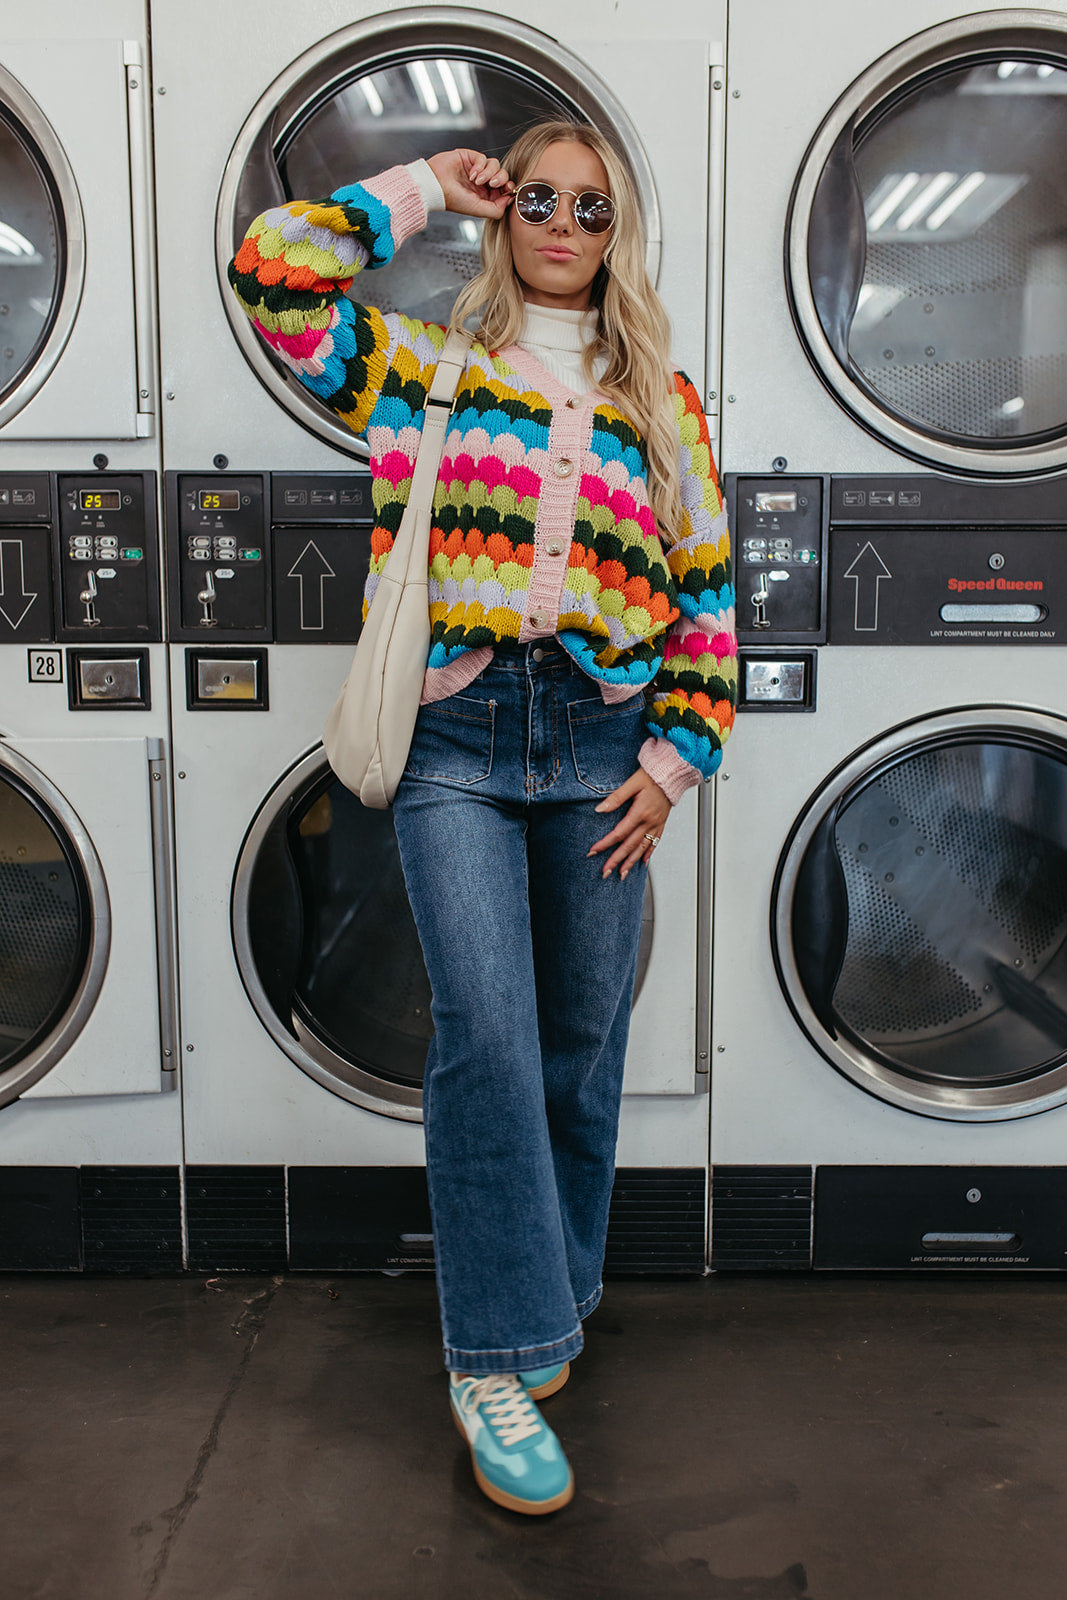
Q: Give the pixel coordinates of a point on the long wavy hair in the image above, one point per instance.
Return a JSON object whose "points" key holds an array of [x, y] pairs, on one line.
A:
{"points": [[633, 330]]}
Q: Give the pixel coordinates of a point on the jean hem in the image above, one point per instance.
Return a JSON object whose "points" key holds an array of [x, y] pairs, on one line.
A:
{"points": [[483, 1363], [587, 1307]]}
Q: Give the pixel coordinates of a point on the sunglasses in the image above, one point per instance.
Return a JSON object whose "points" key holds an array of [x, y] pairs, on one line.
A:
{"points": [[537, 202]]}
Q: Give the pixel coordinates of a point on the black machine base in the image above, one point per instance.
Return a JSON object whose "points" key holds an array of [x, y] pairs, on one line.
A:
{"points": [[300, 1219], [903, 1219]]}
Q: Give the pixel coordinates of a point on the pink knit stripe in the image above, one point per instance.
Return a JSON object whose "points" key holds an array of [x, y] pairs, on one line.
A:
{"points": [[662, 762], [440, 682], [568, 441], [397, 189]]}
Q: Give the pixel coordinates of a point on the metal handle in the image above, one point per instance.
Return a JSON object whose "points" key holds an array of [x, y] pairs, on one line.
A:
{"points": [[166, 936], [716, 258], [207, 597], [143, 226], [88, 600], [759, 600]]}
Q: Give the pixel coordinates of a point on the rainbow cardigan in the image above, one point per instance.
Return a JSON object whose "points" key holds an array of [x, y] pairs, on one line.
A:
{"points": [[541, 523]]}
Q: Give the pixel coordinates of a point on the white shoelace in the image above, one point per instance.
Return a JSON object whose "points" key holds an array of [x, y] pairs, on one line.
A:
{"points": [[507, 1403]]}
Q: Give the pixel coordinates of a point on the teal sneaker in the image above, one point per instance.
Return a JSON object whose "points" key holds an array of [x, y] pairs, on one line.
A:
{"points": [[518, 1461], [543, 1381]]}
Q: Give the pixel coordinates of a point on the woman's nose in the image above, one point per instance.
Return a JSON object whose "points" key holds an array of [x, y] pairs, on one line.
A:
{"points": [[562, 219]]}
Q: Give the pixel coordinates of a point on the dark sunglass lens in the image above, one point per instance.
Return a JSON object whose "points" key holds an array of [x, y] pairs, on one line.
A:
{"points": [[594, 212], [535, 202]]}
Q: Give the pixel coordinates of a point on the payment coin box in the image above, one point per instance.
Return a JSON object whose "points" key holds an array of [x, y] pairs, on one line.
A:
{"points": [[778, 550], [107, 558], [223, 581]]}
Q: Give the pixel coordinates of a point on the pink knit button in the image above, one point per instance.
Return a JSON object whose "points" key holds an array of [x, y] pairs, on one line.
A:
{"points": [[563, 468], [554, 547], [538, 619], [574, 402]]}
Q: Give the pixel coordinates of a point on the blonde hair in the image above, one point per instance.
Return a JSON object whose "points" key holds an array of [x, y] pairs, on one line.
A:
{"points": [[633, 330]]}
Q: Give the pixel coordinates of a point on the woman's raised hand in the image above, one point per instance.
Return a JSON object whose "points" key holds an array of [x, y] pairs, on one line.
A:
{"points": [[472, 184]]}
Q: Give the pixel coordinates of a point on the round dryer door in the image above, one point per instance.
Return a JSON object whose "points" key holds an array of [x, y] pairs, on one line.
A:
{"points": [[326, 942], [54, 925], [41, 251], [927, 246], [920, 916], [390, 90]]}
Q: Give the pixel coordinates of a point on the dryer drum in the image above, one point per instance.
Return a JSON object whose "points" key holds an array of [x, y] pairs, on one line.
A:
{"points": [[54, 926], [920, 919], [41, 247], [926, 266]]}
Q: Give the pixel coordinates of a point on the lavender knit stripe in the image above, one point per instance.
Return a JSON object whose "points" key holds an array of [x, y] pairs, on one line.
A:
{"points": [[568, 441]]}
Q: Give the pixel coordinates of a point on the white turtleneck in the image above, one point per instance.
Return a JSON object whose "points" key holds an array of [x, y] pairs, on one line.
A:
{"points": [[554, 338]]}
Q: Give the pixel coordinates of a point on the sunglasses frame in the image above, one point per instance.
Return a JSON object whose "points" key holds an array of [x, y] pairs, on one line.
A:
{"points": [[540, 183]]}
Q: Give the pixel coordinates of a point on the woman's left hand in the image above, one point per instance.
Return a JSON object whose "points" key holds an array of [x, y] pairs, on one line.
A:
{"points": [[629, 840]]}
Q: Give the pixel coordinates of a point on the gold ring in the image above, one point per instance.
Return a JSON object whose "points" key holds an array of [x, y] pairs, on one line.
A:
{"points": [[651, 837]]}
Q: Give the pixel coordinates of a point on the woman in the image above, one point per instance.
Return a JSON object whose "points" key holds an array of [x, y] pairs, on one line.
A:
{"points": [[580, 679]]}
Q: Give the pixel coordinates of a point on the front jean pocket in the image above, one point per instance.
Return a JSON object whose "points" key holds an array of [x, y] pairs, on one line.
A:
{"points": [[453, 741], [605, 740]]}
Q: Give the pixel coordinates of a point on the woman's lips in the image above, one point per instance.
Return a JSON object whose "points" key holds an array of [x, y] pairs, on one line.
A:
{"points": [[557, 253]]}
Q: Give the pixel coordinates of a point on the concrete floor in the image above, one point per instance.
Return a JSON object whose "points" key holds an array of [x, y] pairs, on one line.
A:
{"points": [[732, 1439]]}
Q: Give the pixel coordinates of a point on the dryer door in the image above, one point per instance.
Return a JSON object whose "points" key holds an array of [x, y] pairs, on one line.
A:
{"points": [[55, 925], [926, 253], [326, 943], [41, 251], [920, 916], [393, 89]]}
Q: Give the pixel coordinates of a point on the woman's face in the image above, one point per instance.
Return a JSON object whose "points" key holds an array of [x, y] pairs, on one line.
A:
{"points": [[555, 261]]}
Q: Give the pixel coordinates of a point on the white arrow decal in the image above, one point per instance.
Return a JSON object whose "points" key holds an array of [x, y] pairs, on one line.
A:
{"points": [[867, 572], [12, 593], [311, 564]]}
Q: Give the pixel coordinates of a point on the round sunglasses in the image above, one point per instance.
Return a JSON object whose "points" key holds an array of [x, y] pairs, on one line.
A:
{"points": [[536, 202]]}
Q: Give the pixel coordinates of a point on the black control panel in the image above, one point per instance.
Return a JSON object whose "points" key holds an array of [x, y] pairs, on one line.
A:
{"points": [[882, 560], [78, 558], [779, 540], [277, 557]]}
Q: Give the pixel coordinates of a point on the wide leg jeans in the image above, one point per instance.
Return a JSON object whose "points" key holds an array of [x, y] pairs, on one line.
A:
{"points": [[531, 954]]}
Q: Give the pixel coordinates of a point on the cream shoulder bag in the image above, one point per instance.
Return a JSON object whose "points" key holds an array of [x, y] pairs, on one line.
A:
{"points": [[368, 732]]}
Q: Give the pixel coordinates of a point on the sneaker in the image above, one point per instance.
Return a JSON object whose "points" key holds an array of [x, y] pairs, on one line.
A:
{"points": [[518, 1461], [543, 1381]]}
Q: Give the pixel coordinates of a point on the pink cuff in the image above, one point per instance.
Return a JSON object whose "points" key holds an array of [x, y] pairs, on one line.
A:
{"points": [[671, 771], [397, 189]]}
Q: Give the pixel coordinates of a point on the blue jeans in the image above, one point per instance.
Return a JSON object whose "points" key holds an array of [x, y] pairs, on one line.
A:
{"points": [[531, 955]]}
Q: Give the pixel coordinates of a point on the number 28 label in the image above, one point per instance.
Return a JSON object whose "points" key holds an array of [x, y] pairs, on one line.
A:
{"points": [[46, 666]]}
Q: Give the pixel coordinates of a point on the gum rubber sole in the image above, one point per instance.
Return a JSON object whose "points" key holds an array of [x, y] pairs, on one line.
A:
{"points": [[510, 1502], [543, 1390]]}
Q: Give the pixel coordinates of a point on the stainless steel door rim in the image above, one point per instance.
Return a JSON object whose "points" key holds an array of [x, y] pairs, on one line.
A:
{"points": [[970, 40], [1029, 1094]]}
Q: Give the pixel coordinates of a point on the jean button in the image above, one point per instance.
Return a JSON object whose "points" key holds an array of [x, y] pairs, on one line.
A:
{"points": [[538, 655]]}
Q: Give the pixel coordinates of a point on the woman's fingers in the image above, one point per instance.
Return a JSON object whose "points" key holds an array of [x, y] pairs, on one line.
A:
{"points": [[473, 184], [630, 841]]}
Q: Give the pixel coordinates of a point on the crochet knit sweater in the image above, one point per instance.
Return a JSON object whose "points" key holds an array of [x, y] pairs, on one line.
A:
{"points": [[541, 524]]}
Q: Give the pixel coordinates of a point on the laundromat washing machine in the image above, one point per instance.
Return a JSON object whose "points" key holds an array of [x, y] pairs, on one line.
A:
{"points": [[305, 1004], [90, 1125], [890, 1019]]}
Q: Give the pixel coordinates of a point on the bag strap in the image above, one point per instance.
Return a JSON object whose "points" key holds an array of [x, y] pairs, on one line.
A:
{"points": [[450, 365]]}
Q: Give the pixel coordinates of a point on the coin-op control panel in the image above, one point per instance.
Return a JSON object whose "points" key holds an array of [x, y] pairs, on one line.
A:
{"points": [[779, 569], [278, 557], [79, 558]]}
